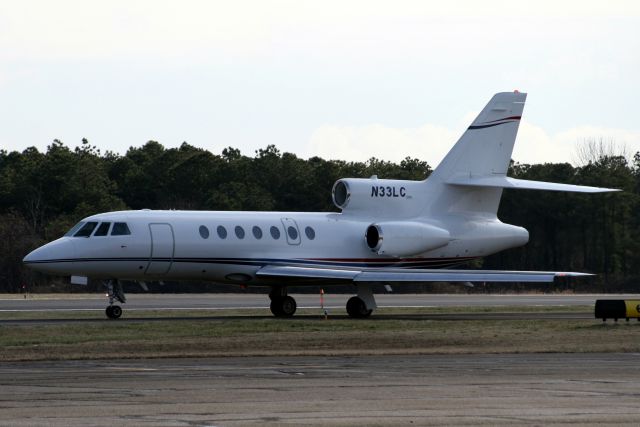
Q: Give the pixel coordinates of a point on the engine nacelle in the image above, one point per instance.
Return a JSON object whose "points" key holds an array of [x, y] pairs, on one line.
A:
{"points": [[405, 238], [378, 196]]}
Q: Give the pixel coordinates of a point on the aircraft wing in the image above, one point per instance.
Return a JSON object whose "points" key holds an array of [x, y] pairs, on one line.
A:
{"points": [[411, 275]]}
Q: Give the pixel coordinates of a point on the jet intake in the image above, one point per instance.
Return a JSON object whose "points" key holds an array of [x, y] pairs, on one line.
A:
{"points": [[341, 194], [404, 238]]}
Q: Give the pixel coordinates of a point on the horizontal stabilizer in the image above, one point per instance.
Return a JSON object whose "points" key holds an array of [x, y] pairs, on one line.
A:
{"points": [[523, 184], [412, 275]]}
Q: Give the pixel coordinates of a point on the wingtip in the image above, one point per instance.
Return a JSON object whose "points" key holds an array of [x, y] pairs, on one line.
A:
{"points": [[572, 274], [606, 190]]}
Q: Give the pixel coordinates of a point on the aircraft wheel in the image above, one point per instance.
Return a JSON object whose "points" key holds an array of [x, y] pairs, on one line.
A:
{"points": [[116, 311], [113, 311], [289, 306], [357, 309], [283, 307], [275, 307]]}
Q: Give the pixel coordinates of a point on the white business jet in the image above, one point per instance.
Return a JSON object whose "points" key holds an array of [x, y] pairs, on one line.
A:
{"points": [[387, 231]]}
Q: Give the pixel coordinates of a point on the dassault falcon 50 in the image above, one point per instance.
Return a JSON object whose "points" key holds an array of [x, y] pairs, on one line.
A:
{"points": [[386, 231]]}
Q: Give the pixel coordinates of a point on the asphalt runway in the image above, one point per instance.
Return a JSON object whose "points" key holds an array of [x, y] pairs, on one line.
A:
{"points": [[332, 301], [535, 389], [528, 389], [213, 306]]}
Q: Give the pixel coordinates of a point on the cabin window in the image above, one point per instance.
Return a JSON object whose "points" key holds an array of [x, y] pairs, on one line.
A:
{"points": [[103, 229], [120, 229], [86, 229], [204, 232], [222, 232], [293, 233], [257, 232], [275, 232], [239, 232], [310, 232], [74, 229]]}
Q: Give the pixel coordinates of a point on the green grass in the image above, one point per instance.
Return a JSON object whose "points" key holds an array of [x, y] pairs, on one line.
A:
{"points": [[206, 333]]}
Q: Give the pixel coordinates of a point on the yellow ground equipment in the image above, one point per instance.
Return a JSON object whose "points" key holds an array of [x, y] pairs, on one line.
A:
{"points": [[617, 309]]}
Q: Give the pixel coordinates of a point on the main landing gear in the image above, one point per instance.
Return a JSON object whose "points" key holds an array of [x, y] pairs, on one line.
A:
{"points": [[361, 306], [114, 292], [282, 305], [358, 307]]}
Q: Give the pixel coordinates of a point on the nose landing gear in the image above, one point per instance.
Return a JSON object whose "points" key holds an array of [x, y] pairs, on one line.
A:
{"points": [[114, 293], [113, 311]]}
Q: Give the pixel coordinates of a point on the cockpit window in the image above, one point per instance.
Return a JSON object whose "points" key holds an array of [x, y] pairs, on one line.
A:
{"points": [[103, 229], [86, 229], [120, 229], [74, 229]]}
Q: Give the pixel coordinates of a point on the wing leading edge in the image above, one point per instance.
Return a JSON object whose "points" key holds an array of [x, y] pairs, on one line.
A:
{"points": [[412, 275]]}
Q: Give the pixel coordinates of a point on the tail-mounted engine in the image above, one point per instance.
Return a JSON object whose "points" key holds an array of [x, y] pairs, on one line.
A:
{"points": [[378, 196], [404, 238]]}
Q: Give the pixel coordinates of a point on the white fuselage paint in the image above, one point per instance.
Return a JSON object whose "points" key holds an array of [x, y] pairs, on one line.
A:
{"points": [[168, 245]]}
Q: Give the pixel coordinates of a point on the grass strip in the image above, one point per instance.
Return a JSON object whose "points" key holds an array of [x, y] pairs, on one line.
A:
{"points": [[238, 335]]}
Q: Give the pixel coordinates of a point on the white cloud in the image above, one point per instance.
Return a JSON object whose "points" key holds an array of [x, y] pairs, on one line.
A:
{"points": [[534, 145], [431, 142], [622, 141], [359, 143]]}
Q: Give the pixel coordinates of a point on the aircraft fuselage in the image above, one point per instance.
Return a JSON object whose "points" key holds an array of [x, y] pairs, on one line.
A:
{"points": [[231, 246]]}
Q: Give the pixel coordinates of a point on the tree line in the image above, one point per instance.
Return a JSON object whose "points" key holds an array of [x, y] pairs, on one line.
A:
{"points": [[43, 194]]}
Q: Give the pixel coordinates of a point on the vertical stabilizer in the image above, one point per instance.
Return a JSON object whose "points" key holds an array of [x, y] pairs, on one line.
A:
{"points": [[484, 150]]}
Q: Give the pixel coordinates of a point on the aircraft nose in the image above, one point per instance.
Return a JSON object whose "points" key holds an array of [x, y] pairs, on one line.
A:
{"points": [[36, 255], [50, 257]]}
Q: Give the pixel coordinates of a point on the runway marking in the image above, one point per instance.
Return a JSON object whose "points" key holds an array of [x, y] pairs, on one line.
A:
{"points": [[42, 310], [137, 309], [127, 368], [51, 299], [35, 310]]}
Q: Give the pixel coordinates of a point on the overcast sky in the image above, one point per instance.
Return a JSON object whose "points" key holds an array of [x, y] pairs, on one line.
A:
{"points": [[339, 79]]}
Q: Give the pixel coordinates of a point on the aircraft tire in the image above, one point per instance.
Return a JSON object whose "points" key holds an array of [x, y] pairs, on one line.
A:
{"points": [[357, 309], [113, 311], [283, 307], [275, 307], [289, 306], [117, 311]]}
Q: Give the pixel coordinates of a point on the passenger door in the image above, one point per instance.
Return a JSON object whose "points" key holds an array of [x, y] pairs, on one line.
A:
{"points": [[291, 231], [162, 249]]}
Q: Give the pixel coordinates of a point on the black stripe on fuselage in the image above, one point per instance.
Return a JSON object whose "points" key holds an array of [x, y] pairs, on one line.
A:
{"points": [[260, 262]]}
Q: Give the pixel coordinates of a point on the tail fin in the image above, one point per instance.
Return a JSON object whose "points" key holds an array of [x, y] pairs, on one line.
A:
{"points": [[486, 146], [484, 150], [472, 175]]}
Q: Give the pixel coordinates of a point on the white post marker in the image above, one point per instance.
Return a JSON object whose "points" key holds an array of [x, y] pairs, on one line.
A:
{"points": [[325, 312]]}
